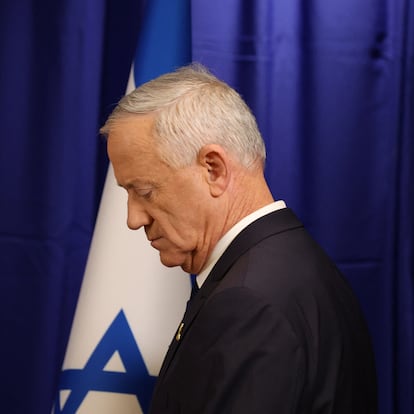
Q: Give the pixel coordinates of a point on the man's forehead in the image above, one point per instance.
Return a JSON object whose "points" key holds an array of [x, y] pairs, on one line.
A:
{"points": [[135, 171], [132, 137], [133, 154]]}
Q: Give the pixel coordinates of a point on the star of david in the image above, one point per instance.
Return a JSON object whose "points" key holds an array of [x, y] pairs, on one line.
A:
{"points": [[136, 380]]}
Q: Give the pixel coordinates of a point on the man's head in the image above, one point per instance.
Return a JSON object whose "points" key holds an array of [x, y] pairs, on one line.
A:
{"points": [[188, 151], [193, 108]]}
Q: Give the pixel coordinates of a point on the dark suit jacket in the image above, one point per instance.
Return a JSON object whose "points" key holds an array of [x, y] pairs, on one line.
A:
{"points": [[274, 329]]}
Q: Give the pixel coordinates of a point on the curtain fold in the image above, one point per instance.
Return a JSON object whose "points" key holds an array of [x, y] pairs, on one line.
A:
{"points": [[57, 81], [404, 222]]}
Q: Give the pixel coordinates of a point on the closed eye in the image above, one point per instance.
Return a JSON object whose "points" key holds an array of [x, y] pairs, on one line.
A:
{"points": [[145, 193]]}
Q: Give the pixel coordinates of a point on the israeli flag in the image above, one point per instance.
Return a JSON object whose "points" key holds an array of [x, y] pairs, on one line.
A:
{"points": [[130, 304]]}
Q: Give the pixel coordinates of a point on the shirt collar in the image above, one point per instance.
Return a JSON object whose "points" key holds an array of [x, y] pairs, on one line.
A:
{"points": [[224, 242]]}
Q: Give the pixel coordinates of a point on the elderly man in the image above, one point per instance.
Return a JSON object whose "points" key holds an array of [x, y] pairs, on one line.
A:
{"points": [[274, 327]]}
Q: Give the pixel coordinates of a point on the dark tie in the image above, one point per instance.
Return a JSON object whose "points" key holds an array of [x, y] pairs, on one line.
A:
{"points": [[194, 286], [194, 290]]}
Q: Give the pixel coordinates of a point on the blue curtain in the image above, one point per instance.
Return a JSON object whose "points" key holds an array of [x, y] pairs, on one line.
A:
{"points": [[63, 64], [332, 86]]}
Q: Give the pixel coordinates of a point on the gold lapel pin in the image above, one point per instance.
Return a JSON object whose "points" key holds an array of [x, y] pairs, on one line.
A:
{"points": [[179, 331]]}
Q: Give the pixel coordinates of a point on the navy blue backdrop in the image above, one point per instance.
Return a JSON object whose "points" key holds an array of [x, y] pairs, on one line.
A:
{"points": [[332, 86]]}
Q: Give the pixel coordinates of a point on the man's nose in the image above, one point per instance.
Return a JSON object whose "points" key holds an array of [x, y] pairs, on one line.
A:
{"points": [[137, 215]]}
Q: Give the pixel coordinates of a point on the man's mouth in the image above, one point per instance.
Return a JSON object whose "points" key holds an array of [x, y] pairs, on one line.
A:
{"points": [[155, 242]]}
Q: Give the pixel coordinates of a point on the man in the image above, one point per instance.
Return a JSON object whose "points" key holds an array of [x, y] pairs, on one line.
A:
{"points": [[274, 327]]}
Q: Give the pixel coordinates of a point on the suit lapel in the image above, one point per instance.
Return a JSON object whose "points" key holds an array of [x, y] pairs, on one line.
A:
{"points": [[277, 222], [271, 224], [189, 315]]}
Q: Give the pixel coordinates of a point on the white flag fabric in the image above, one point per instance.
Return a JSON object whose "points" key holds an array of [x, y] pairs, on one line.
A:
{"points": [[130, 304], [124, 277]]}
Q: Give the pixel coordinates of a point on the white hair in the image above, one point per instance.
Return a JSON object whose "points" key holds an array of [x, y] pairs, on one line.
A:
{"points": [[193, 108]]}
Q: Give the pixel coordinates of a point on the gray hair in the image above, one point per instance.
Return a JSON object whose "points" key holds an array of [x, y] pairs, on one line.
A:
{"points": [[193, 108]]}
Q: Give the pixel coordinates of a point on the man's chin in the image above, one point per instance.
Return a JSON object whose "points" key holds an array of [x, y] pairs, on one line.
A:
{"points": [[170, 260]]}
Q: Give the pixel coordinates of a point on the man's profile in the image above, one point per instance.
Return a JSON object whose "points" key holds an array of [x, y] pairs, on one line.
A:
{"points": [[274, 327]]}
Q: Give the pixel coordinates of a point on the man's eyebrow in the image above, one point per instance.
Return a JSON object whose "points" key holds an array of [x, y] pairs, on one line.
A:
{"points": [[136, 184]]}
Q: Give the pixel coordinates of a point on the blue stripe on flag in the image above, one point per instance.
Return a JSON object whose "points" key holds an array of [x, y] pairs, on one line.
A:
{"points": [[165, 42]]}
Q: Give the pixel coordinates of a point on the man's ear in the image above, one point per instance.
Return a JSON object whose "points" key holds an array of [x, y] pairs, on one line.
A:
{"points": [[216, 163]]}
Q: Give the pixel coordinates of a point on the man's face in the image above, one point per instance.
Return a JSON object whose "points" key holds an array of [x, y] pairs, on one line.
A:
{"points": [[167, 202]]}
